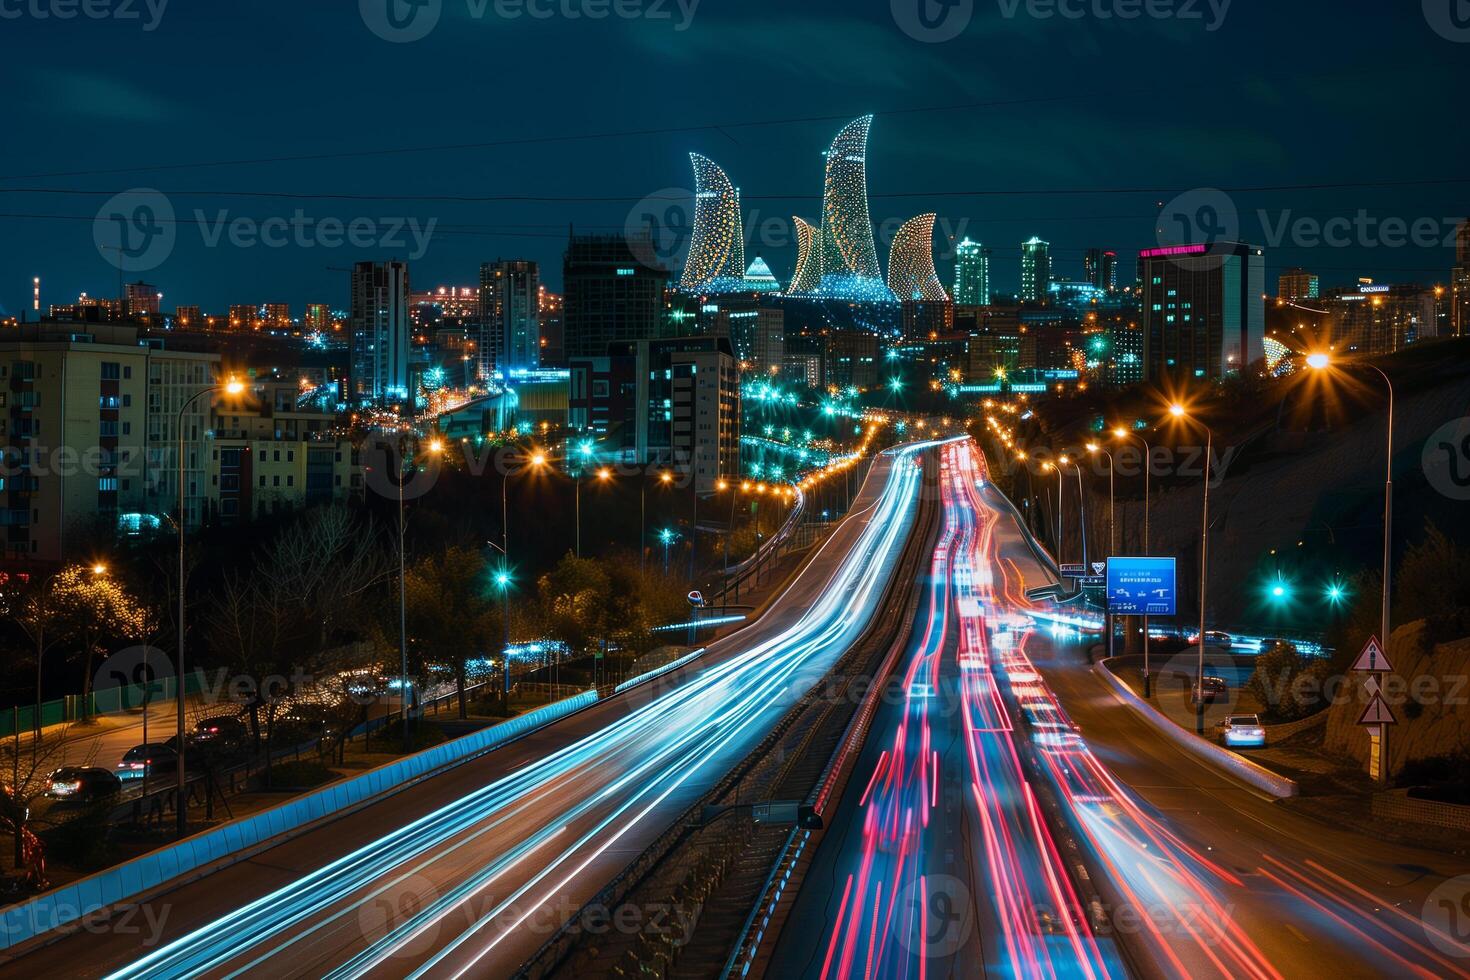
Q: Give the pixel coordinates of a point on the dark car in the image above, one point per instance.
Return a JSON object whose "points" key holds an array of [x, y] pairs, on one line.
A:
{"points": [[83, 784], [147, 760], [222, 728], [1210, 690]]}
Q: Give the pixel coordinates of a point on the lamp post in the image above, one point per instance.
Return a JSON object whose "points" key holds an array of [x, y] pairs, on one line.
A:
{"points": [[1179, 412], [585, 452], [1320, 362], [181, 809], [665, 479], [1081, 508], [1052, 467], [436, 446], [534, 462], [1094, 449], [1123, 433]]}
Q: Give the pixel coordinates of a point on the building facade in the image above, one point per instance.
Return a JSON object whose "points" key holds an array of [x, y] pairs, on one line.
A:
{"points": [[688, 405], [611, 295], [1035, 270], [1203, 309], [510, 310], [381, 333], [971, 274]]}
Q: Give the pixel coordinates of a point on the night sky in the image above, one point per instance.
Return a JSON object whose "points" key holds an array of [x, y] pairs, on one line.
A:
{"points": [[224, 98]]}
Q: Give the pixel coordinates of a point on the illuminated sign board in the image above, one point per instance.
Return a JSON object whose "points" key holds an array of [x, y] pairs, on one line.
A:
{"points": [[1142, 587]]}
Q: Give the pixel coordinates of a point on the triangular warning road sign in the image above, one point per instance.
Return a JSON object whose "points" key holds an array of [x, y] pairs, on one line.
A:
{"points": [[1378, 713], [1373, 659]]}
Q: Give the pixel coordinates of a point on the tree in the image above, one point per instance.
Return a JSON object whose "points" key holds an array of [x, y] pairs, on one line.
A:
{"points": [[451, 611], [574, 599], [89, 605]]}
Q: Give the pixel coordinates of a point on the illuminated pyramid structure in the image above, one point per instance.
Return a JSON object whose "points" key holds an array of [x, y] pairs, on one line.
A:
{"points": [[716, 260], [911, 274], [759, 278]]}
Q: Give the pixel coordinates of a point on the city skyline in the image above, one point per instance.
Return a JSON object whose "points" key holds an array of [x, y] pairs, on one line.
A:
{"points": [[942, 133]]}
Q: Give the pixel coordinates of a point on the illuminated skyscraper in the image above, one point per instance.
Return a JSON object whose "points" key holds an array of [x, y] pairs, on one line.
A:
{"points": [[1295, 284], [510, 305], [1100, 268], [717, 248], [911, 274], [808, 275], [1460, 283], [972, 274], [849, 257], [1035, 269], [380, 332]]}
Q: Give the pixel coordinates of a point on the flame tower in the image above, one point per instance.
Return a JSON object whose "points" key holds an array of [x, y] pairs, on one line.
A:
{"points": [[849, 259], [808, 277], [911, 272], [717, 248]]}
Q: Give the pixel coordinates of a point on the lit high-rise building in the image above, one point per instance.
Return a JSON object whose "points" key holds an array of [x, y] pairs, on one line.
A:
{"points": [[1035, 270], [1203, 310], [140, 299], [1100, 267], [972, 274], [611, 295], [1460, 283], [318, 317], [911, 274], [808, 276], [1297, 284], [381, 332], [716, 259], [510, 314], [188, 318], [848, 254]]}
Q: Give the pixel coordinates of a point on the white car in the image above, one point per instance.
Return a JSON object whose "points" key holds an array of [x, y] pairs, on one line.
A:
{"points": [[1243, 731]]}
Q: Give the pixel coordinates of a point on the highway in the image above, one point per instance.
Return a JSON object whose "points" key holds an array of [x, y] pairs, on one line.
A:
{"points": [[1199, 875], [939, 860], [468, 873]]}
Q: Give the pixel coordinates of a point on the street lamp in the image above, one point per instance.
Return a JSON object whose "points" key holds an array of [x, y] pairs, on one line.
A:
{"points": [[1122, 433], [1081, 507], [1320, 362], [665, 479], [1052, 467], [435, 446], [1094, 449], [234, 388], [585, 451], [1179, 412]]}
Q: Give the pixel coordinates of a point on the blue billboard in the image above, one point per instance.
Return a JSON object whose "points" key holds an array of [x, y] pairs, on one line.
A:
{"points": [[1141, 587]]}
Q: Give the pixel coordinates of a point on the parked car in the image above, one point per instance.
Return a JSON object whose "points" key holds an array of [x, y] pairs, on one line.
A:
{"points": [[1242, 731], [83, 784], [148, 759], [1209, 690], [1213, 638]]}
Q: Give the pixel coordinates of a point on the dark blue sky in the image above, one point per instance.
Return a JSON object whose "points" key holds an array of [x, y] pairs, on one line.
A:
{"points": [[1305, 92]]}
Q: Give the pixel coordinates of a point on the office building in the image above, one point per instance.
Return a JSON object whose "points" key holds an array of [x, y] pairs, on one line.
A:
{"points": [[1035, 270], [1377, 318], [1203, 309], [188, 318], [611, 295], [688, 407], [1100, 269], [1297, 284], [553, 330], [381, 330], [972, 274], [510, 316], [1459, 299]]}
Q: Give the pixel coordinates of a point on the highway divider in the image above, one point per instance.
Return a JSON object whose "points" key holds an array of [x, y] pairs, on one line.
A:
{"points": [[202, 853], [1233, 763]]}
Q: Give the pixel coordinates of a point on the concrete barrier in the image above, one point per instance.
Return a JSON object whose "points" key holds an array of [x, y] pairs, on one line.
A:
{"points": [[88, 896], [1231, 762]]}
